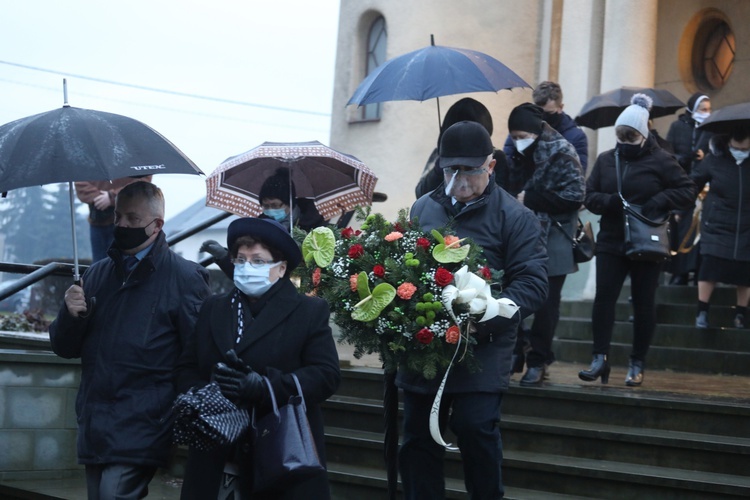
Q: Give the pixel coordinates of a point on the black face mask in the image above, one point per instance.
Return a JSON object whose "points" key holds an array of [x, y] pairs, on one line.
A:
{"points": [[554, 119], [131, 237], [629, 151]]}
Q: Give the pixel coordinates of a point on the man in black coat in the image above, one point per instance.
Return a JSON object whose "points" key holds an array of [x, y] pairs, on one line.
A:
{"points": [[548, 95], [128, 322], [511, 239]]}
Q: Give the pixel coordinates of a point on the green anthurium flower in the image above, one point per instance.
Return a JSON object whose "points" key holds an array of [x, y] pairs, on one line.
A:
{"points": [[319, 245], [370, 307], [446, 254], [363, 286]]}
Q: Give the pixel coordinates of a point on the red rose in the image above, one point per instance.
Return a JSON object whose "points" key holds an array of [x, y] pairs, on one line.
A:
{"points": [[378, 271], [347, 233], [443, 277], [398, 227], [316, 277], [425, 336], [423, 243], [486, 273], [356, 251]]}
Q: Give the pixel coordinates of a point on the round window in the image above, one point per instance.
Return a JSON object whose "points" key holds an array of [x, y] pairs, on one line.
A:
{"points": [[713, 53]]}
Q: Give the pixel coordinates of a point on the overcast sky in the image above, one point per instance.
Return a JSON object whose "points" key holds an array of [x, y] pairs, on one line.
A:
{"points": [[275, 58]]}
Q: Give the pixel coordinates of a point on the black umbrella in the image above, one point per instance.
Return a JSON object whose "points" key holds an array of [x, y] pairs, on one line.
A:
{"points": [[727, 119], [72, 144], [602, 110]]}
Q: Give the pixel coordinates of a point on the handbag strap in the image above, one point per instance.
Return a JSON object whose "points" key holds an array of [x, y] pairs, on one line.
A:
{"points": [[563, 231], [299, 391], [626, 205], [273, 401]]}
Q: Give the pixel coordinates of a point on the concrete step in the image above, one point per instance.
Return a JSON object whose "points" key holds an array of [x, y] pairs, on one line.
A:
{"points": [[666, 313], [723, 294]]}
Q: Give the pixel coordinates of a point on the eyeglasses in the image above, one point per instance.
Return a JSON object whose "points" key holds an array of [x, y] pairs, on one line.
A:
{"points": [[256, 263], [464, 170]]}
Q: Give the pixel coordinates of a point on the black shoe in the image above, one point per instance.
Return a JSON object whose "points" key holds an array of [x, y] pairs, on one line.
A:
{"points": [[599, 368], [679, 279], [634, 377], [533, 377], [739, 321], [701, 320]]}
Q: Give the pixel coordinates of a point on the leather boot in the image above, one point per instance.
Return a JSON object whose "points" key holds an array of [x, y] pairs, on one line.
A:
{"points": [[701, 320], [599, 368], [533, 377], [634, 377]]}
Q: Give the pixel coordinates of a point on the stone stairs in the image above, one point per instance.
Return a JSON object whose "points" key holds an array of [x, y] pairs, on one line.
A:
{"points": [[577, 440]]}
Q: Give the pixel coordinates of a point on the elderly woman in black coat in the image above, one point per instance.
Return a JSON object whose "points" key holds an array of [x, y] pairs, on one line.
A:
{"points": [[264, 327], [652, 178], [725, 222]]}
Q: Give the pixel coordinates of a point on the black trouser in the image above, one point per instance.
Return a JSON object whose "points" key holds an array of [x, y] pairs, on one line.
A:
{"points": [[545, 322], [611, 271], [118, 481]]}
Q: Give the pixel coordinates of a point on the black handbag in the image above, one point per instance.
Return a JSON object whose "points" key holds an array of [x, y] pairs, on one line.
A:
{"points": [[584, 245], [645, 239], [283, 444]]}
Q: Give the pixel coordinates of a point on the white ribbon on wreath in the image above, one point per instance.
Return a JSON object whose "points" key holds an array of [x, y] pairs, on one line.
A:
{"points": [[476, 292]]}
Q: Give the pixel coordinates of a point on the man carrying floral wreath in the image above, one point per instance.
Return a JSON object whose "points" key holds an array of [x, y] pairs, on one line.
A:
{"points": [[510, 235]]}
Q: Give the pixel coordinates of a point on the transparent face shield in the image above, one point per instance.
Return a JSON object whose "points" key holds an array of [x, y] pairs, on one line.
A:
{"points": [[460, 178]]}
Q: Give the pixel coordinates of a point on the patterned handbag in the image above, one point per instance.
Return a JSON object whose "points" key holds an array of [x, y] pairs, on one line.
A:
{"points": [[204, 419]]}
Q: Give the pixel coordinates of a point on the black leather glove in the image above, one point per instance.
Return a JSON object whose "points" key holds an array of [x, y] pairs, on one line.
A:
{"points": [[214, 248], [243, 389]]}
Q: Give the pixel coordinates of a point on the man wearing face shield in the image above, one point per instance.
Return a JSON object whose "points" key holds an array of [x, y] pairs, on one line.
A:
{"points": [[128, 321], [510, 236]]}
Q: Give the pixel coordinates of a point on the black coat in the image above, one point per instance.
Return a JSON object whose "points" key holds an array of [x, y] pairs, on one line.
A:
{"points": [[290, 334], [654, 180], [128, 346], [511, 238], [686, 139], [725, 220]]}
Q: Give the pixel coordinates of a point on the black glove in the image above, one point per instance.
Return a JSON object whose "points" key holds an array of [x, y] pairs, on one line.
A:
{"points": [[214, 248], [243, 389], [614, 203], [486, 330], [651, 210]]}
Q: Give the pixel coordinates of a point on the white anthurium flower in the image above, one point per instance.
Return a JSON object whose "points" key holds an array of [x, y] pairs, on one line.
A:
{"points": [[473, 290]]}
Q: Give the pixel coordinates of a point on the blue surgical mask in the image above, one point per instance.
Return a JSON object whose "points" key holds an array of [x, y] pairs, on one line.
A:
{"points": [[739, 155], [277, 214], [254, 281]]}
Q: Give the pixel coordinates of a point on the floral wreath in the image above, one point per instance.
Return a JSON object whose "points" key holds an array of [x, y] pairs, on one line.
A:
{"points": [[395, 290]]}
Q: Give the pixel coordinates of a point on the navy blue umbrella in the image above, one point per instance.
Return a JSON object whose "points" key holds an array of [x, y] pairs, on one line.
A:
{"points": [[432, 72]]}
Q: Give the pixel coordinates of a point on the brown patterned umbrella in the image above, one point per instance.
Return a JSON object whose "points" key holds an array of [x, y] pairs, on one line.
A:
{"points": [[335, 181]]}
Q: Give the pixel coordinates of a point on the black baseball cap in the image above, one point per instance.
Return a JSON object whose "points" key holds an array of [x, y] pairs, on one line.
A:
{"points": [[465, 144]]}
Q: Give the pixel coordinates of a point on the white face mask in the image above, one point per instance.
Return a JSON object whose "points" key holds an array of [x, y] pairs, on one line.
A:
{"points": [[254, 281], [522, 144], [699, 116], [739, 154]]}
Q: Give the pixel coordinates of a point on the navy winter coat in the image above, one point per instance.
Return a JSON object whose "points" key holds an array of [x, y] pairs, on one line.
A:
{"points": [[129, 345], [511, 237]]}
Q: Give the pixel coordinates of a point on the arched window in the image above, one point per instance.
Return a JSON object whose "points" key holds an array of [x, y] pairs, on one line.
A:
{"points": [[376, 43], [714, 54]]}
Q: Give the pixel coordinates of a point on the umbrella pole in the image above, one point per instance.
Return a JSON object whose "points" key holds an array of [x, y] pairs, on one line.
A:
{"points": [[291, 206], [437, 99], [76, 276]]}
